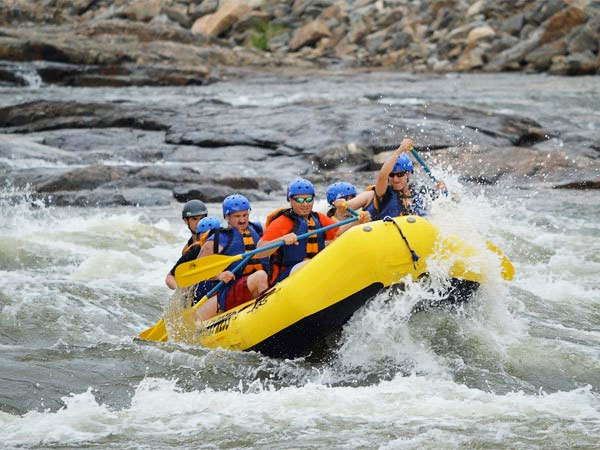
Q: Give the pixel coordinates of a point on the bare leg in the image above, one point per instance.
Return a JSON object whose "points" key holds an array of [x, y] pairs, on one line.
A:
{"points": [[299, 266], [208, 309], [257, 282]]}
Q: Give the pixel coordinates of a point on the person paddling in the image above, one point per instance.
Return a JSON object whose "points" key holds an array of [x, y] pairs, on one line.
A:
{"points": [[193, 212], [393, 194], [241, 236], [299, 218], [339, 190]]}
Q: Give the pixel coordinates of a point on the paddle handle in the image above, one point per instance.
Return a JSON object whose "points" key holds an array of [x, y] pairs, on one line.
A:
{"points": [[426, 168]]}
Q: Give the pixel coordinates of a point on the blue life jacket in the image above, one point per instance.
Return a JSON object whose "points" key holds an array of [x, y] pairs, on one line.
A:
{"points": [[232, 242], [395, 203]]}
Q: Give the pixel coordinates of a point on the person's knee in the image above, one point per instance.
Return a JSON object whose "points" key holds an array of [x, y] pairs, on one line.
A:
{"points": [[257, 281], [298, 266]]}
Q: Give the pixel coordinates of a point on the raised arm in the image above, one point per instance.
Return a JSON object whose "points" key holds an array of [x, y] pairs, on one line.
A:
{"points": [[382, 179]]}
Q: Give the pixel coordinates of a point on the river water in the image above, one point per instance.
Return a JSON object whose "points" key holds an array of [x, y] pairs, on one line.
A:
{"points": [[518, 367]]}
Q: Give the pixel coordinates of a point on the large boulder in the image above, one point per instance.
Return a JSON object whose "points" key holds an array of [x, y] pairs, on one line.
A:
{"points": [[309, 34], [223, 19]]}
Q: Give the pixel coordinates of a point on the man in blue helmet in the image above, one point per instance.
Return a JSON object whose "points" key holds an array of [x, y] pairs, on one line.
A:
{"points": [[393, 195], [241, 236], [287, 223], [192, 213]]}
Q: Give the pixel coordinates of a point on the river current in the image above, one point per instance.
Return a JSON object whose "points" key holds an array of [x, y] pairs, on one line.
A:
{"points": [[517, 367]]}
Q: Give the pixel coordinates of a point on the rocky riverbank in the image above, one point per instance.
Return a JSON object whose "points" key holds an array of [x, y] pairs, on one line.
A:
{"points": [[183, 42], [108, 146], [112, 144]]}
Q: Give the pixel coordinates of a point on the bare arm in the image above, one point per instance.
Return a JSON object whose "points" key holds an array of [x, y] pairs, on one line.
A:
{"points": [[170, 281], [289, 239], [388, 165], [363, 217], [360, 201]]}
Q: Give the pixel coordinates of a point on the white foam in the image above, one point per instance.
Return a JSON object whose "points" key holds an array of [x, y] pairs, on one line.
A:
{"points": [[405, 404]]}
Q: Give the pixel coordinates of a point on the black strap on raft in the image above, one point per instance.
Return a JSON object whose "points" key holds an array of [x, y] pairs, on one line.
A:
{"points": [[414, 255]]}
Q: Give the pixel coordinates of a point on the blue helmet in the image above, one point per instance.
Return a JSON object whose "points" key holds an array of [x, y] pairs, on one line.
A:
{"points": [[403, 163], [234, 203], [300, 186], [207, 224], [339, 190]]}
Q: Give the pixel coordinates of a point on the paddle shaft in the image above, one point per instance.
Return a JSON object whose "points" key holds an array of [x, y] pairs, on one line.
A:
{"points": [[352, 211], [426, 168], [302, 236], [222, 283]]}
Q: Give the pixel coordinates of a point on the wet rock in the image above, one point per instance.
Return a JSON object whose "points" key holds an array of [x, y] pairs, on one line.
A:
{"points": [[516, 165], [579, 185], [49, 115], [226, 137], [107, 144], [121, 76], [349, 155], [520, 131], [204, 192], [80, 179], [9, 76], [103, 198], [19, 147]]}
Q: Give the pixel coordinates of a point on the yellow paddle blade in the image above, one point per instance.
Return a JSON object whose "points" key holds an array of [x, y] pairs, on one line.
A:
{"points": [[198, 270], [156, 333], [508, 270], [452, 246]]}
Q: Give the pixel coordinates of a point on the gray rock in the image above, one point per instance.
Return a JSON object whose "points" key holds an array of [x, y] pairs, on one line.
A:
{"points": [[19, 147], [543, 10], [541, 57], [514, 24], [583, 39], [51, 115], [401, 40], [100, 198], [204, 192], [80, 179], [575, 64], [351, 154], [515, 53]]}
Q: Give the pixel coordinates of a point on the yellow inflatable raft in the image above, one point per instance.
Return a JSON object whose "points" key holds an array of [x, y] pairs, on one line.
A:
{"points": [[298, 313]]}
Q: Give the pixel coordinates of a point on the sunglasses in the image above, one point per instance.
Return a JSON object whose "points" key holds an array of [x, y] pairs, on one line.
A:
{"points": [[303, 199], [397, 174]]}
